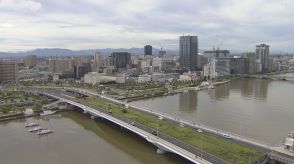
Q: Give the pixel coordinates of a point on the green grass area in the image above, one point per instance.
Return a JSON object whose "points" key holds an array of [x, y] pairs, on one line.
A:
{"points": [[220, 147]]}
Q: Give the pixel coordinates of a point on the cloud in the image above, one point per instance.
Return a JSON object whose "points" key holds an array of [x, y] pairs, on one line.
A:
{"points": [[79, 24], [23, 5]]}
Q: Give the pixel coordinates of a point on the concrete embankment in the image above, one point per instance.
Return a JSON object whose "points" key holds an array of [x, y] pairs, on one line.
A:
{"points": [[23, 115]]}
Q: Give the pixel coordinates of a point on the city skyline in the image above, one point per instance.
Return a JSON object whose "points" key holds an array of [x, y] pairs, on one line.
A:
{"points": [[226, 24]]}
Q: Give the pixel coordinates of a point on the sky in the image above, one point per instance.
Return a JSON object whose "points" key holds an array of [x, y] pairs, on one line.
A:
{"points": [[90, 24]]}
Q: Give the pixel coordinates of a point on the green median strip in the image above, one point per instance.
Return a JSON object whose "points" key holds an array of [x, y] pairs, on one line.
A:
{"points": [[220, 147]]}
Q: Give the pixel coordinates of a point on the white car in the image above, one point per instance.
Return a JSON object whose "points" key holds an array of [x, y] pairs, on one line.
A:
{"points": [[227, 136], [199, 130], [161, 118], [182, 124]]}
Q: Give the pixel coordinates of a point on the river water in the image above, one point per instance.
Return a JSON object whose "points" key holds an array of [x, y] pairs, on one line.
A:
{"points": [[256, 108], [76, 139]]}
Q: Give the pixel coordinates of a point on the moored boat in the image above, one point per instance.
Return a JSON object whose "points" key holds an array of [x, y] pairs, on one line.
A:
{"points": [[44, 131], [35, 129], [31, 124], [47, 112]]}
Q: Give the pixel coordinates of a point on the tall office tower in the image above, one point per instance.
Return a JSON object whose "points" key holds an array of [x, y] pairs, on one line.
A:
{"points": [[262, 54], [98, 62], [8, 71], [121, 59], [188, 52], [147, 50]]}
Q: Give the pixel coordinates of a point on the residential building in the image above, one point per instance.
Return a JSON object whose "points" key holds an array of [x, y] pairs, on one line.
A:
{"points": [[30, 61], [254, 66], [8, 72], [62, 66], [231, 66], [262, 54], [188, 52]]}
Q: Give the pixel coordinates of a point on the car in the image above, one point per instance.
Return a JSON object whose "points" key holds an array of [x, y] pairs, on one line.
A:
{"points": [[109, 111], [199, 130], [160, 117], [154, 132], [133, 123], [227, 136], [182, 124]]}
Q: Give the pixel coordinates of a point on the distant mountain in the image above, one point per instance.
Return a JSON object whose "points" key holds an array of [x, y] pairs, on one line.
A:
{"points": [[66, 52]]}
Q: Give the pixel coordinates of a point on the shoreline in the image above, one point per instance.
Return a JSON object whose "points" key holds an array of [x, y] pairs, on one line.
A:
{"points": [[180, 90]]}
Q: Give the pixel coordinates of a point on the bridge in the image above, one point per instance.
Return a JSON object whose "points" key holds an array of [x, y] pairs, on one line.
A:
{"points": [[163, 142], [274, 153]]}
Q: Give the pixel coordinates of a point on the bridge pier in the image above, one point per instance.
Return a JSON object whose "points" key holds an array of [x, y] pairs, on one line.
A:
{"points": [[160, 151]]}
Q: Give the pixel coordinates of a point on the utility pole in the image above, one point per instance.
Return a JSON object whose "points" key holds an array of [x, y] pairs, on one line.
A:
{"points": [[201, 145], [157, 128]]}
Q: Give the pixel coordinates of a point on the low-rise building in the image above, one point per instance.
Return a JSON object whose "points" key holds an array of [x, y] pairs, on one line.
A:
{"points": [[96, 78], [188, 76]]}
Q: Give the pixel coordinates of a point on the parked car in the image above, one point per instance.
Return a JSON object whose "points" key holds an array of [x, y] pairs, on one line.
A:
{"points": [[227, 136], [199, 130], [133, 123], [154, 132], [182, 124], [160, 117]]}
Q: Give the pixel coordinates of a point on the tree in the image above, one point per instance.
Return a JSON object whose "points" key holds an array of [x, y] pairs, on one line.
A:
{"points": [[37, 106]]}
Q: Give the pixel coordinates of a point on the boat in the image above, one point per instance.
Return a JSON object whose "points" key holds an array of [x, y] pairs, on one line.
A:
{"points": [[44, 131], [35, 129], [47, 112], [31, 124]]}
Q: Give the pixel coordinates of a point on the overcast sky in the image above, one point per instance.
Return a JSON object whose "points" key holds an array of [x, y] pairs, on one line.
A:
{"points": [[88, 24]]}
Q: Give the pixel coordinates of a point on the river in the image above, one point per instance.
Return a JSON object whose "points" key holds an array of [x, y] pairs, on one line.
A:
{"points": [[76, 139], [256, 108]]}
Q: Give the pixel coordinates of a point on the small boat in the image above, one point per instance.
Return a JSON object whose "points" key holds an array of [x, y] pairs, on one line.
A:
{"points": [[47, 112], [35, 129], [44, 131], [31, 124]]}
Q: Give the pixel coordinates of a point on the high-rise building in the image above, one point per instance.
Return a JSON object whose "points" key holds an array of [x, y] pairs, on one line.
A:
{"points": [[147, 50], [30, 61], [98, 62], [62, 66], [162, 53], [8, 71], [121, 59], [188, 52], [262, 54]]}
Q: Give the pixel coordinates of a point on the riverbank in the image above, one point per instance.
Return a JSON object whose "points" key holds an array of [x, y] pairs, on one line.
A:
{"points": [[180, 90]]}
